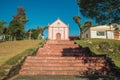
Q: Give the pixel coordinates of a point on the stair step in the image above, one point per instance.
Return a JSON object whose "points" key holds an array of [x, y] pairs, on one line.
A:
{"points": [[62, 61], [65, 58], [65, 50], [62, 58], [61, 55], [59, 42], [50, 72], [62, 45], [59, 68], [30, 64]]}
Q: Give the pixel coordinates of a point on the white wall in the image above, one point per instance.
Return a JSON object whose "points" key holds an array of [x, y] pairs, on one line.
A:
{"points": [[49, 33], [92, 32], [63, 31], [66, 33], [110, 35], [58, 27], [94, 35], [56, 30]]}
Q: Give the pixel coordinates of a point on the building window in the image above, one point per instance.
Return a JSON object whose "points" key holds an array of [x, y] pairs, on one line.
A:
{"points": [[100, 33]]}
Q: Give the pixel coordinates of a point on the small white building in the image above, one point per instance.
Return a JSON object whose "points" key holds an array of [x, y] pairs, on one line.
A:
{"points": [[103, 32], [58, 30]]}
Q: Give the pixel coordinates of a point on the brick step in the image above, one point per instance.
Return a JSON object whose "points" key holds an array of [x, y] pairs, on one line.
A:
{"points": [[61, 51], [65, 58], [64, 61], [59, 42], [59, 68], [49, 55], [55, 60], [30, 72], [61, 54], [51, 60], [42, 64], [64, 46], [59, 47]]}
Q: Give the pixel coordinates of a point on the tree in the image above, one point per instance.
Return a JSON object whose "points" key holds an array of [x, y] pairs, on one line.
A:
{"points": [[2, 23], [16, 26], [2, 27], [86, 26], [6, 33], [116, 28], [15, 29], [103, 11], [34, 34], [82, 28], [77, 19], [41, 31]]}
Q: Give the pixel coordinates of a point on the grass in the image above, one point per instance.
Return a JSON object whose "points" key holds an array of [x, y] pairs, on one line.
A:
{"points": [[11, 48], [13, 52], [103, 46]]}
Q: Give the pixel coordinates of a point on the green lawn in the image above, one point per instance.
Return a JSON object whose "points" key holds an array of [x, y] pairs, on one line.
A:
{"points": [[103, 46], [13, 52], [11, 48]]}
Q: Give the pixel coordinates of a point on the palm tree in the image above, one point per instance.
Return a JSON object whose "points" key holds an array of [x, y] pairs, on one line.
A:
{"points": [[40, 31], [82, 28], [77, 19], [87, 25]]}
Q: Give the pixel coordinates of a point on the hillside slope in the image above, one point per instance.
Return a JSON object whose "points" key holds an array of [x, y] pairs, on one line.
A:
{"points": [[11, 48], [101, 46]]}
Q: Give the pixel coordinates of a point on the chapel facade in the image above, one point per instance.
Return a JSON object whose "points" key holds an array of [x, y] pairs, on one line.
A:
{"points": [[58, 30]]}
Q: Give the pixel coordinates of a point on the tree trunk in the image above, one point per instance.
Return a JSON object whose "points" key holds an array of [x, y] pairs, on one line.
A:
{"points": [[39, 36], [81, 32]]}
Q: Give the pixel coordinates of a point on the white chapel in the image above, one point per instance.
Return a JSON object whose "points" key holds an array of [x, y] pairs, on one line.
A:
{"points": [[58, 30]]}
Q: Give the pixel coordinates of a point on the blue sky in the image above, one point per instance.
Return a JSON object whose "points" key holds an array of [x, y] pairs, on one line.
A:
{"points": [[42, 12]]}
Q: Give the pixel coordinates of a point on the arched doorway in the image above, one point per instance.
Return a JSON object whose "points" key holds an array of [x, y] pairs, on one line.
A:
{"points": [[58, 36]]}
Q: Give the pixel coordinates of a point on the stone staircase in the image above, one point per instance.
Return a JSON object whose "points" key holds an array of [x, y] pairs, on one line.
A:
{"points": [[63, 58]]}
